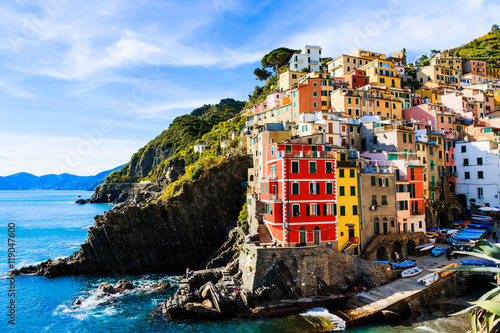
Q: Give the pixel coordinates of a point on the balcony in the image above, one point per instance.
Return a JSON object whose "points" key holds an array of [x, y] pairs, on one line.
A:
{"points": [[273, 197], [417, 212], [346, 164]]}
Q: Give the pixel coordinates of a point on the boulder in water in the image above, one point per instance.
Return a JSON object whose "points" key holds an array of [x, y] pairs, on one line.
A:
{"points": [[123, 285], [106, 288]]}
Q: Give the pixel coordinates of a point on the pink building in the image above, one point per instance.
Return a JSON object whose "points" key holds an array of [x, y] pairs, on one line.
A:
{"points": [[458, 104], [438, 116]]}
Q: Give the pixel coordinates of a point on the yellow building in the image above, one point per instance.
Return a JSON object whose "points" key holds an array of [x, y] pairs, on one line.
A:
{"points": [[496, 96], [433, 94], [430, 152], [444, 69], [382, 73], [375, 102], [493, 72], [349, 209], [289, 79]]}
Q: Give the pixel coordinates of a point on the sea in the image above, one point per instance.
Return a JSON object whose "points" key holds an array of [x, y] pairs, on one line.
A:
{"points": [[38, 225]]}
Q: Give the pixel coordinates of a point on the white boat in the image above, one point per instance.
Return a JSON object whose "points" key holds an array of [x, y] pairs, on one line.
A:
{"points": [[411, 272], [428, 279]]}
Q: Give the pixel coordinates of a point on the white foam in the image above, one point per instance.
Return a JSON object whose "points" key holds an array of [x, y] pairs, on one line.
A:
{"points": [[317, 312], [427, 329]]}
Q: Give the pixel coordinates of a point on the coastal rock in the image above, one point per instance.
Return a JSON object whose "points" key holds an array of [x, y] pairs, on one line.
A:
{"points": [[107, 288], [123, 285], [190, 227], [199, 310]]}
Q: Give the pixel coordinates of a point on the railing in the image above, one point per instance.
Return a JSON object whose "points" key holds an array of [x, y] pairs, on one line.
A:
{"points": [[417, 212], [273, 197], [346, 164]]}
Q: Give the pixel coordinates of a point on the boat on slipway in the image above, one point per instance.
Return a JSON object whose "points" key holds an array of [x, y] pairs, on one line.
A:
{"points": [[428, 279], [437, 251], [411, 272], [404, 264]]}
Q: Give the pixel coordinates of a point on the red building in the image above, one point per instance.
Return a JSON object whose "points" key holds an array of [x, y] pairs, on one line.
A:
{"points": [[449, 151], [415, 175], [356, 79], [299, 194]]}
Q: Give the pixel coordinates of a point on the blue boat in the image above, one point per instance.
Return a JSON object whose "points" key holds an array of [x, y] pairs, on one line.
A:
{"points": [[479, 226], [380, 261], [485, 263], [404, 264], [437, 251], [481, 217]]}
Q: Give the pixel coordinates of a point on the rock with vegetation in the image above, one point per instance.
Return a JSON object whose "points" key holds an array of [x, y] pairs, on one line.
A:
{"points": [[178, 231], [486, 48]]}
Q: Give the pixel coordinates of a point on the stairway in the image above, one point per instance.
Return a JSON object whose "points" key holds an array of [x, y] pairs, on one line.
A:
{"points": [[264, 235], [240, 305]]}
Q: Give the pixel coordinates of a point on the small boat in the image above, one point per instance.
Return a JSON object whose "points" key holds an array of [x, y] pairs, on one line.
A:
{"points": [[446, 273], [479, 226], [437, 251], [428, 279], [411, 272], [484, 263], [458, 223], [481, 218], [403, 264], [424, 249]]}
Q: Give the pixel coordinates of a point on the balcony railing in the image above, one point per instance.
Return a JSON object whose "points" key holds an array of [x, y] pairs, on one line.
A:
{"points": [[417, 212], [273, 197], [346, 164]]}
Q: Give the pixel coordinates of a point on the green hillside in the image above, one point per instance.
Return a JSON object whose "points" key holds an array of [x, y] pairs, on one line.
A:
{"points": [[485, 48], [183, 132]]}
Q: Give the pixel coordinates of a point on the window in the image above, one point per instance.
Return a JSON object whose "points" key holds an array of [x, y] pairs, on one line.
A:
{"points": [[467, 175], [315, 104], [412, 174], [329, 188], [296, 210], [312, 167], [466, 161], [328, 167], [313, 188], [313, 210], [464, 149], [315, 94], [479, 161], [288, 149], [329, 209], [410, 138], [295, 188], [355, 210], [480, 175], [295, 166], [431, 151], [374, 200], [342, 210], [404, 137], [341, 191], [479, 192], [341, 173], [353, 190], [440, 154], [352, 173], [272, 151], [384, 200], [373, 181]]}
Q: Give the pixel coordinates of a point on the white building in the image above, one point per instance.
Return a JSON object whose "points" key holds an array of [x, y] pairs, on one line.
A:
{"points": [[478, 169], [308, 58], [200, 147]]}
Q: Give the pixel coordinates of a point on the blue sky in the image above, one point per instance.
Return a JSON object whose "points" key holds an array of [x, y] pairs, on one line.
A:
{"points": [[85, 84]]}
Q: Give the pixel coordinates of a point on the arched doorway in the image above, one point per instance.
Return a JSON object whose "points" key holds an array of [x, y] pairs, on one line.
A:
{"points": [[411, 248], [317, 236], [382, 253], [376, 226], [385, 225], [251, 178], [302, 236], [398, 248]]}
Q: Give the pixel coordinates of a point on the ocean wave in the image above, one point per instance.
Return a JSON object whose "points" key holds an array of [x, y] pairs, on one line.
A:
{"points": [[97, 304], [321, 317]]}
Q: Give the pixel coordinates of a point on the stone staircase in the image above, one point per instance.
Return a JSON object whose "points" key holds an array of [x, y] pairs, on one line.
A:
{"points": [[264, 235]]}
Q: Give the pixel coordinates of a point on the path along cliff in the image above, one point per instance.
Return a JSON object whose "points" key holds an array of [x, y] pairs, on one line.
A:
{"points": [[183, 230]]}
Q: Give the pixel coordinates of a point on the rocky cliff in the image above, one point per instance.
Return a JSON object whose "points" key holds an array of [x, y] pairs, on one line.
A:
{"points": [[170, 235]]}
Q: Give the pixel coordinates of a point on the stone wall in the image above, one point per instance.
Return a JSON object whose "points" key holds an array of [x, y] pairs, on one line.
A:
{"points": [[309, 266]]}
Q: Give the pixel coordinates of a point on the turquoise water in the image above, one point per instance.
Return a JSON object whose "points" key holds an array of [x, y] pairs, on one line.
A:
{"points": [[50, 225]]}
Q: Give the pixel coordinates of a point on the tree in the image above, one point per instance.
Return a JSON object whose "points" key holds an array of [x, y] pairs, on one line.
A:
{"points": [[494, 28], [277, 58], [261, 74], [434, 52]]}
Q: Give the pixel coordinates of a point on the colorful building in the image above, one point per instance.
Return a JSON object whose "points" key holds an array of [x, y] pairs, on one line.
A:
{"points": [[299, 194], [349, 209]]}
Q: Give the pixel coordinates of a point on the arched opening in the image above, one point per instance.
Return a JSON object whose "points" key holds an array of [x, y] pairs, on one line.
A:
{"points": [[452, 186], [302, 236], [385, 226], [398, 248], [411, 248], [382, 253], [317, 236], [462, 199], [250, 178], [376, 226]]}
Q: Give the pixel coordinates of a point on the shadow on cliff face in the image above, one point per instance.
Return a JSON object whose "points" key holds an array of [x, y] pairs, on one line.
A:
{"points": [[185, 230]]}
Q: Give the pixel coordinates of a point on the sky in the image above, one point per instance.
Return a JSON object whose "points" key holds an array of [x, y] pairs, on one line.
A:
{"points": [[85, 84]]}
